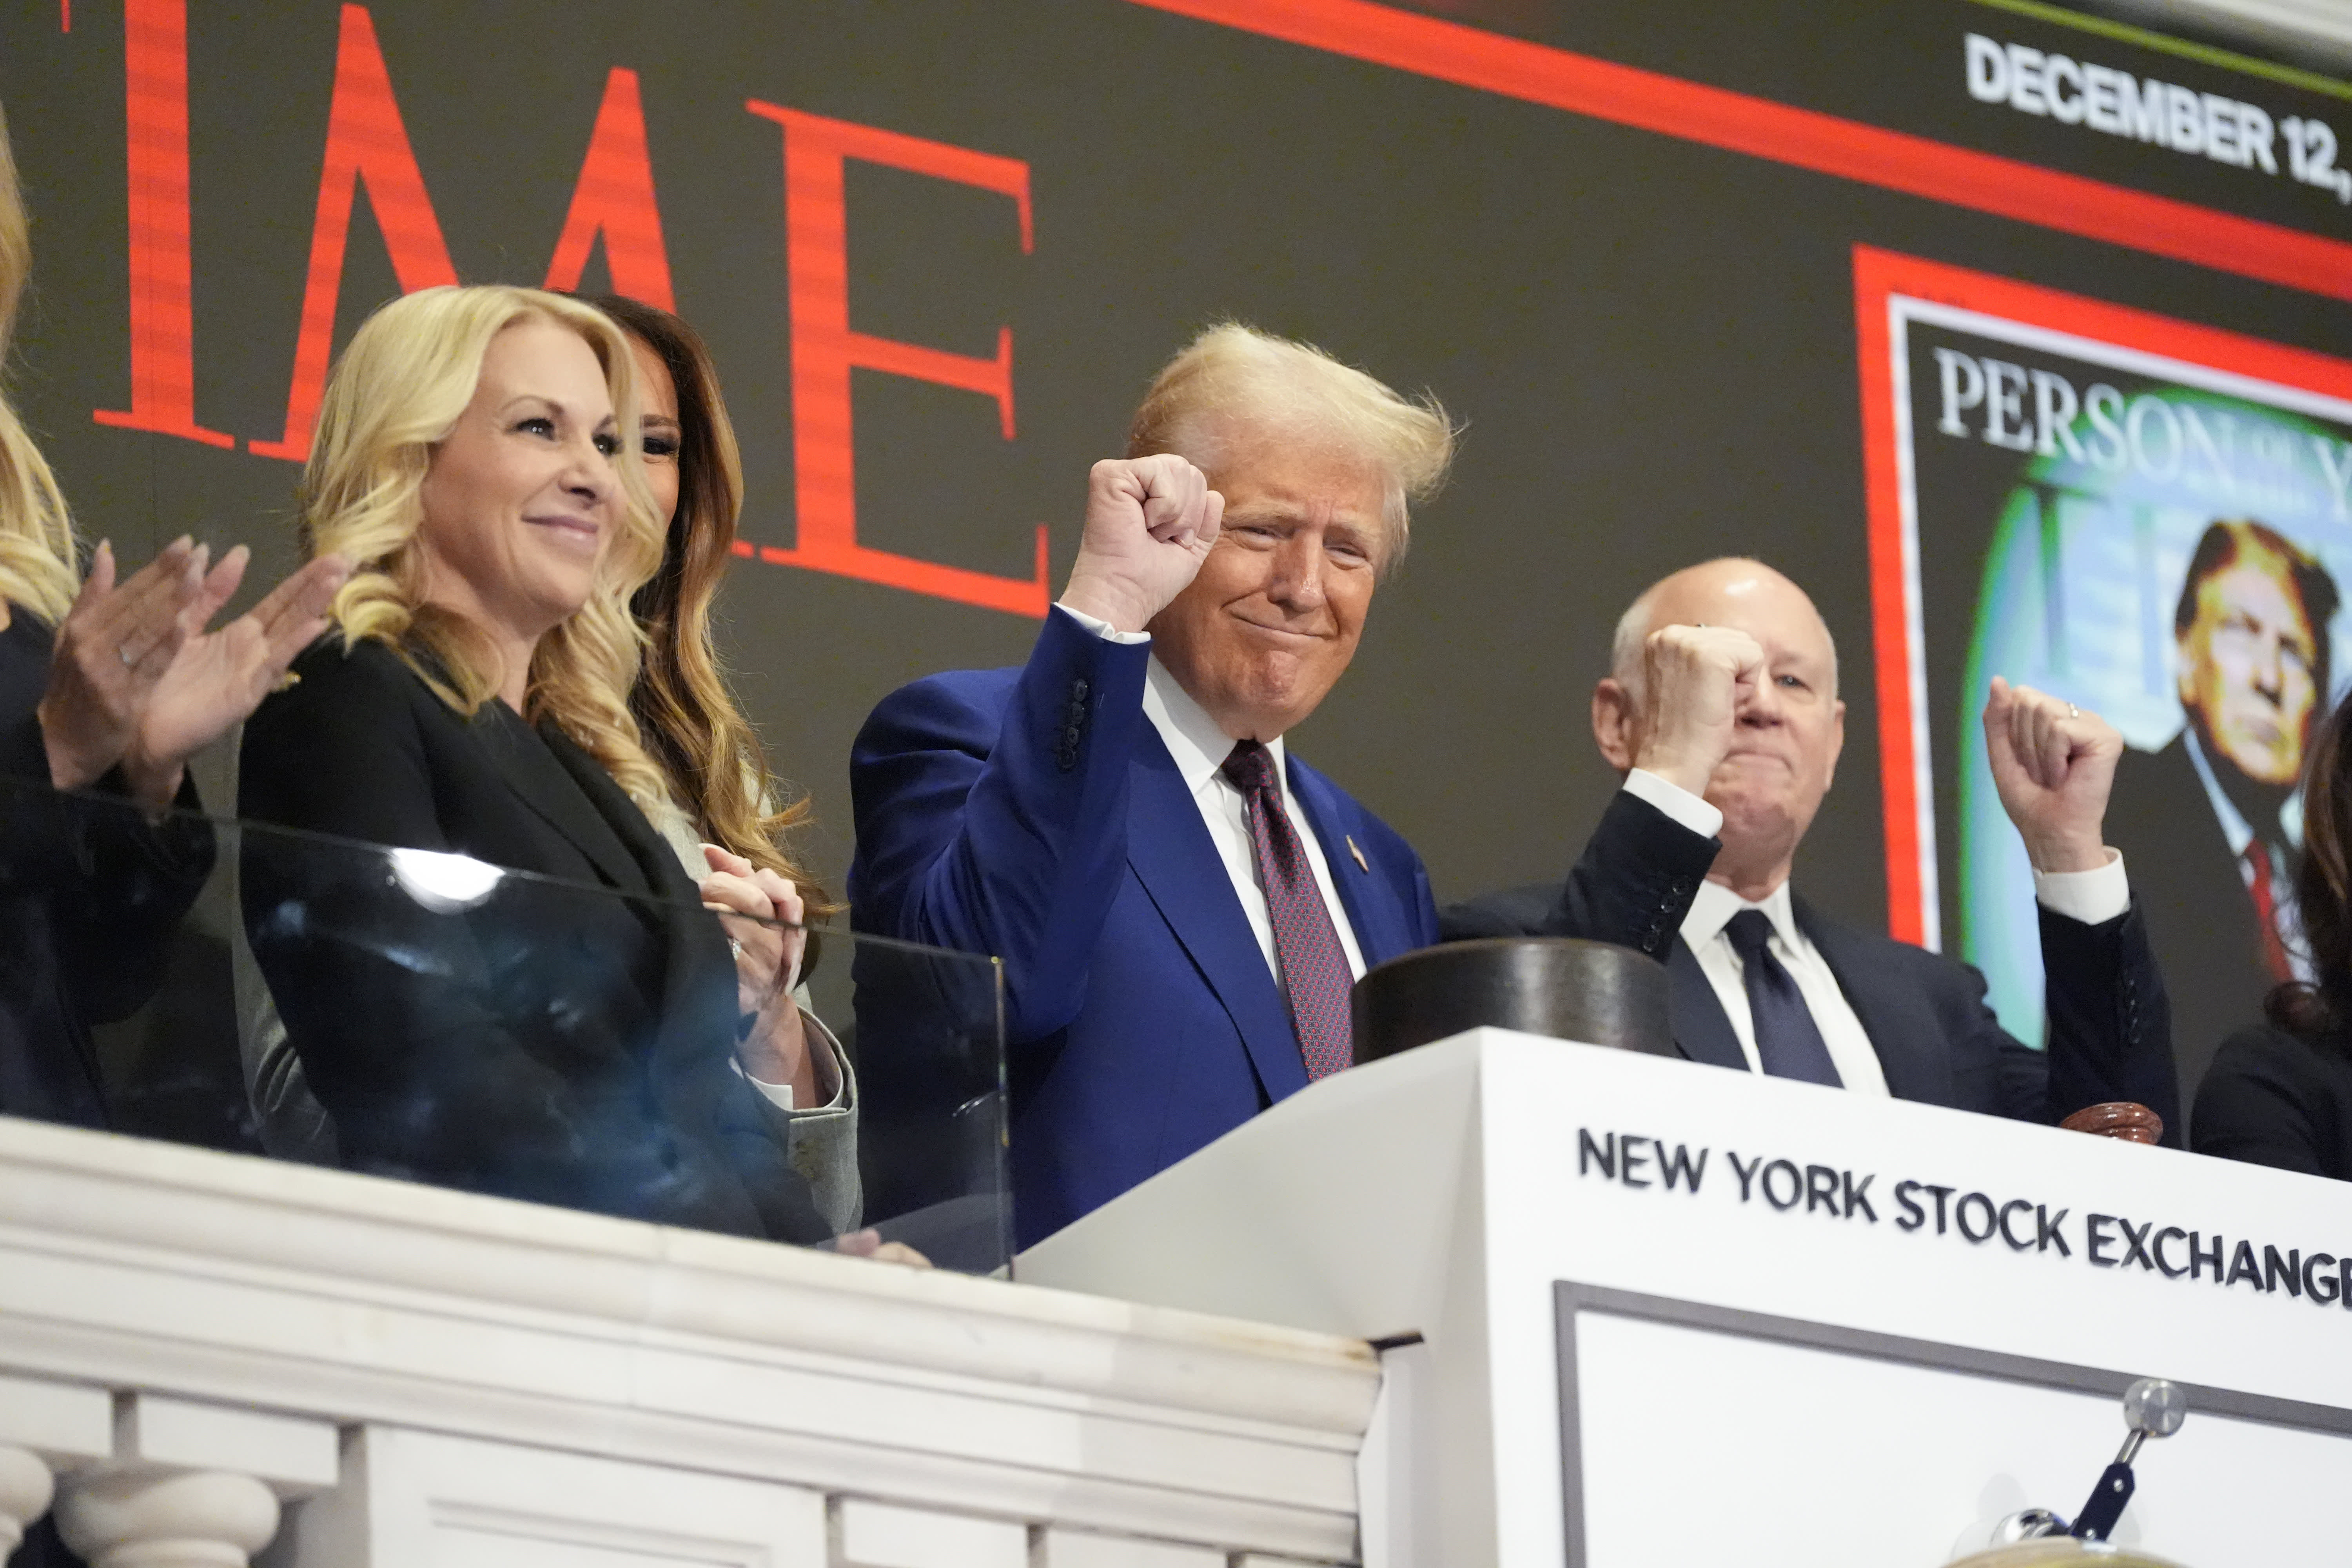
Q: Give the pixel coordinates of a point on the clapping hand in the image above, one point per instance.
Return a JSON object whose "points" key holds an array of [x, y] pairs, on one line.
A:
{"points": [[1150, 521], [216, 678], [137, 680], [2053, 765], [111, 648]]}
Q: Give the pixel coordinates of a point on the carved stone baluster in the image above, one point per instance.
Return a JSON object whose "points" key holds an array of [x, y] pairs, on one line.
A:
{"points": [[45, 1429], [142, 1516], [25, 1491]]}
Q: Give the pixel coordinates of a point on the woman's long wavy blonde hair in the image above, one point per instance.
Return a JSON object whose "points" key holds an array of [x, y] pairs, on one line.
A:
{"points": [[395, 394], [38, 558], [697, 732]]}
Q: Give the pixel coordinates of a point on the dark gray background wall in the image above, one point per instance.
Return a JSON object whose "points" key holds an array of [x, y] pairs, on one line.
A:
{"points": [[1653, 340]]}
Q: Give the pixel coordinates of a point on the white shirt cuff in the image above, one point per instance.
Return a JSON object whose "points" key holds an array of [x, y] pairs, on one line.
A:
{"points": [[2094, 897], [1676, 801], [1103, 629]]}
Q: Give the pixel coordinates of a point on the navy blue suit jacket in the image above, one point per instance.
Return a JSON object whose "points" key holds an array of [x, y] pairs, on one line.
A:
{"points": [[1937, 1042], [1035, 813]]}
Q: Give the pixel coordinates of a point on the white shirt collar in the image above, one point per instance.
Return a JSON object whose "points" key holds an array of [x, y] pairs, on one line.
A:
{"points": [[1197, 741], [1712, 911]]}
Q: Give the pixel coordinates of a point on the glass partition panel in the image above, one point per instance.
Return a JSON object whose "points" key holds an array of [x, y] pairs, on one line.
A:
{"points": [[430, 1017]]}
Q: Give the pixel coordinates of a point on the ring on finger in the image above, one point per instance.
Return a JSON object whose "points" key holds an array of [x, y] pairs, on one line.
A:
{"points": [[734, 947], [2073, 711]]}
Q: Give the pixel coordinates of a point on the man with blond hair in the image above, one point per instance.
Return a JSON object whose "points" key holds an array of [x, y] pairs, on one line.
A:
{"points": [[1181, 906]]}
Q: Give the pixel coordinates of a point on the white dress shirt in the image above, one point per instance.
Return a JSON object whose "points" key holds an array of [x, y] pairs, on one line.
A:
{"points": [[2092, 897], [1200, 747]]}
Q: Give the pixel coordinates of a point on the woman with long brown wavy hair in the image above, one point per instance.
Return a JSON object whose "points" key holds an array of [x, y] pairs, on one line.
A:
{"points": [[691, 723], [2280, 1093], [719, 812]]}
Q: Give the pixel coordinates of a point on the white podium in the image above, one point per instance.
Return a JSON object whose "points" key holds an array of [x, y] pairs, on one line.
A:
{"points": [[1639, 1313]]}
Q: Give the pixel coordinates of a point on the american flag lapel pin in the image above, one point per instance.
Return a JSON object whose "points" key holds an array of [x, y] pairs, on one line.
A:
{"points": [[1361, 863]]}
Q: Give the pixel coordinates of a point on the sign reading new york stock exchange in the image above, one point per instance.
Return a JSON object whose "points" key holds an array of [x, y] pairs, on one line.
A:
{"points": [[1785, 1190]]}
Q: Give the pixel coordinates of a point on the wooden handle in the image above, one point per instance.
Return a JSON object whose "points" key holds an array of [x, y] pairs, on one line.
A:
{"points": [[2117, 1118]]}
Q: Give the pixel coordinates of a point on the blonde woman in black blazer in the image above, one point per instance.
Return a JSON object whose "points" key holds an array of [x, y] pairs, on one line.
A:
{"points": [[541, 1038]]}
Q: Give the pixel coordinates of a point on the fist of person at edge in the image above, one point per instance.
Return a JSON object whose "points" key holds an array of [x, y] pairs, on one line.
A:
{"points": [[1697, 678], [1150, 523], [2053, 765]]}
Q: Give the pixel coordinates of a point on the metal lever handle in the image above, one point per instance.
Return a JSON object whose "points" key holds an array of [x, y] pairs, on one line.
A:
{"points": [[2100, 1515], [2152, 1408]]}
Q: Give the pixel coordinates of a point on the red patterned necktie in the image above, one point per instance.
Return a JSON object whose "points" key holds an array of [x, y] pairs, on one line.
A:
{"points": [[2257, 856], [1315, 971]]}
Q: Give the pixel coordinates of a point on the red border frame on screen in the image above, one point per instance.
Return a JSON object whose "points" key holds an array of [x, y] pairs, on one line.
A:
{"points": [[1878, 275], [1782, 133], [1892, 160]]}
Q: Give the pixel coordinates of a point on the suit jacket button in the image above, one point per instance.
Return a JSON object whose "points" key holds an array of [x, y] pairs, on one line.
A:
{"points": [[1078, 689], [1682, 887]]}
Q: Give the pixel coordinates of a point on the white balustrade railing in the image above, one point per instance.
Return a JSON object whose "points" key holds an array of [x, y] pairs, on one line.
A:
{"points": [[207, 1361]]}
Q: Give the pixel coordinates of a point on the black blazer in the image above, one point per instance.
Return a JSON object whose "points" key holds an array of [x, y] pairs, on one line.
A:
{"points": [[1925, 1015], [2274, 1098], [552, 1042], [90, 894]]}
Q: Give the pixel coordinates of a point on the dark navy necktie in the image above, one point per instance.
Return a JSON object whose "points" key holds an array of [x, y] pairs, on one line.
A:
{"points": [[1788, 1042], [1316, 977]]}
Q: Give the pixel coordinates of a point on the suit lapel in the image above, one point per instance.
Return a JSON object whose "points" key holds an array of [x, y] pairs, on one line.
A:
{"points": [[655, 863], [1368, 900], [554, 790], [1702, 1029], [1169, 851], [1902, 1027]]}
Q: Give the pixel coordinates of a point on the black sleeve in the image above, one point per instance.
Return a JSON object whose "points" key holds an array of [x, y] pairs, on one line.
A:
{"points": [[115, 885], [1633, 886], [135, 881], [2110, 1019], [1513, 911], [2264, 1101]]}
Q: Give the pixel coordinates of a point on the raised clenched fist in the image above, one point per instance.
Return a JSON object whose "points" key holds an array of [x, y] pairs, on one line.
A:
{"points": [[1693, 681], [2053, 765], [1149, 525]]}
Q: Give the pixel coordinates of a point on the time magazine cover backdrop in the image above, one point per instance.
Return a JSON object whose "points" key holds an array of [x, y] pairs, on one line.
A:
{"points": [[939, 248]]}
